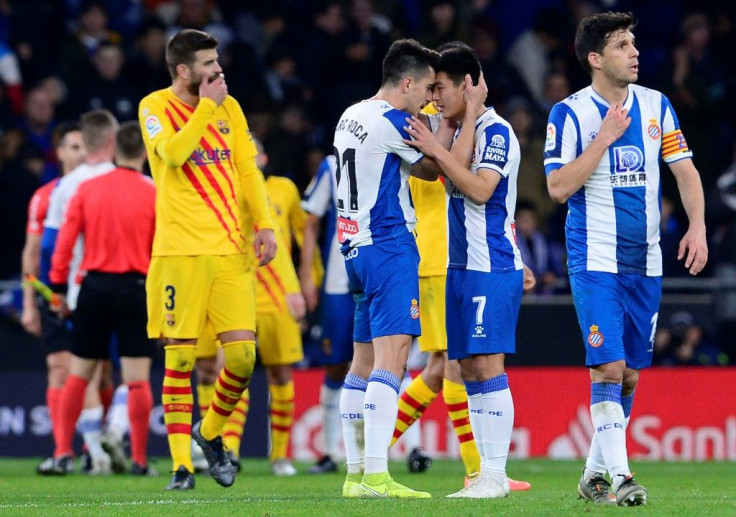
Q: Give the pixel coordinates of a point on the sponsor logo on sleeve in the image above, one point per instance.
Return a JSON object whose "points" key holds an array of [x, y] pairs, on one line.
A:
{"points": [[551, 141], [153, 126]]}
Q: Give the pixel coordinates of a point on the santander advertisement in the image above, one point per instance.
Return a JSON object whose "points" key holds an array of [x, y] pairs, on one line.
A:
{"points": [[679, 414]]}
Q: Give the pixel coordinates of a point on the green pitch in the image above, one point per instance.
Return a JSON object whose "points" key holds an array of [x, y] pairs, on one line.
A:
{"points": [[688, 489]]}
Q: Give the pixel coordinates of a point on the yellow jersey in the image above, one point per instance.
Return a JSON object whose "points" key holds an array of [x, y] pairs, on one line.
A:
{"points": [[203, 164], [430, 206]]}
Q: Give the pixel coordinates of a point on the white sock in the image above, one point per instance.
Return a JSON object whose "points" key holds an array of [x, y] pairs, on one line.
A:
{"points": [[380, 409], [498, 422], [412, 437], [475, 413], [329, 399], [118, 422], [595, 465], [90, 425], [610, 429], [351, 414]]}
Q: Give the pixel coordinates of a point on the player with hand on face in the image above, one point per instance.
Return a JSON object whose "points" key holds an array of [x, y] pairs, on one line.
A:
{"points": [[485, 276], [602, 157], [203, 163]]}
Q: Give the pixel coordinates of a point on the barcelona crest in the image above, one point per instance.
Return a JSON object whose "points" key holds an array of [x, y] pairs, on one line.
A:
{"points": [[223, 127]]}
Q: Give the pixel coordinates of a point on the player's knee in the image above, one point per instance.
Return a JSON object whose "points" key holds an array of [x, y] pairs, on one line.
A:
{"points": [[240, 358]]}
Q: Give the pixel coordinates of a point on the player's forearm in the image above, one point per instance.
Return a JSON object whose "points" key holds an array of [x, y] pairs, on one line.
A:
{"points": [[568, 179], [691, 194], [426, 169], [462, 148], [308, 247], [254, 192], [178, 148], [474, 187]]}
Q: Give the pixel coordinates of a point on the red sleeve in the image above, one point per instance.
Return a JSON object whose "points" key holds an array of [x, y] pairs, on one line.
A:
{"points": [[68, 233]]}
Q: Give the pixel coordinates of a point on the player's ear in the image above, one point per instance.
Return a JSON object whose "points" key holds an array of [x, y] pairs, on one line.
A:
{"points": [[182, 71], [406, 83], [594, 59]]}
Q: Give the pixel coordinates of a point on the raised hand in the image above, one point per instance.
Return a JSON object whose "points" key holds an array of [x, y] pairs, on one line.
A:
{"points": [[475, 95], [213, 87], [423, 138]]}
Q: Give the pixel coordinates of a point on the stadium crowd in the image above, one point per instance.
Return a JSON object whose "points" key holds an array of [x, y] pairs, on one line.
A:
{"points": [[294, 67]]}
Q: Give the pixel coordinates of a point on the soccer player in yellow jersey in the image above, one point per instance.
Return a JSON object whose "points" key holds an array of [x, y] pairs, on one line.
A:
{"points": [[203, 163]]}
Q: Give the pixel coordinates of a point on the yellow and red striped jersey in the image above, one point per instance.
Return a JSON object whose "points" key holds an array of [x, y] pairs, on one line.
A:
{"points": [[203, 163]]}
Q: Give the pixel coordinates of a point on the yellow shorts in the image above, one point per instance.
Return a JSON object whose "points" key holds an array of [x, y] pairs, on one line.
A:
{"points": [[279, 339], [207, 343], [184, 292], [432, 300]]}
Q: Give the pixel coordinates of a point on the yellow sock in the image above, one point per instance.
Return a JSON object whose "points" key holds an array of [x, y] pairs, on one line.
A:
{"points": [[282, 418], [232, 433], [456, 400], [240, 356], [205, 392], [412, 404], [177, 399]]}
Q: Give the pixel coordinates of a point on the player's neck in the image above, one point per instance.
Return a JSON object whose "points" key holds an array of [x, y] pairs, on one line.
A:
{"points": [[461, 116], [611, 92], [393, 97], [98, 157], [180, 90]]}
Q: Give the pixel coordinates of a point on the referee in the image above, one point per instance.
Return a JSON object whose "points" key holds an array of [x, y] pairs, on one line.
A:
{"points": [[114, 212]]}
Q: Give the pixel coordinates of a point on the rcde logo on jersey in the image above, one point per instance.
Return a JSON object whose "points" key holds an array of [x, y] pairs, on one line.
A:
{"points": [[628, 158]]}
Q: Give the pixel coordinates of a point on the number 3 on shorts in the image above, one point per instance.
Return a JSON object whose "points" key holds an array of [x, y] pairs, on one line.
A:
{"points": [[170, 293]]}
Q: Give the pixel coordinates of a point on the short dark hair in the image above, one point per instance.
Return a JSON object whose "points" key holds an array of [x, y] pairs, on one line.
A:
{"points": [[64, 129], [129, 140], [456, 60], [592, 32], [97, 126], [182, 47], [407, 57]]}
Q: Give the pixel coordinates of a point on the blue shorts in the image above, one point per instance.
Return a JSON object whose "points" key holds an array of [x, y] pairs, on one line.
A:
{"points": [[617, 314], [385, 285], [338, 312], [481, 311]]}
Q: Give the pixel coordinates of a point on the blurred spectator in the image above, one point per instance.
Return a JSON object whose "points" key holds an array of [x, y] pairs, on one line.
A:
{"points": [[147, 62], [37, 29], [697, 88], [86, 35], [288, 145], [502, 79], [11, 78], [37, 127], [319, 59], [283, 84], [366, 44], [532, 181], [721, 220], [196, 14], [441, 24], [109, 88], [534, 52], [21, 167], [556, 88], [543, 258], [684, 343]]}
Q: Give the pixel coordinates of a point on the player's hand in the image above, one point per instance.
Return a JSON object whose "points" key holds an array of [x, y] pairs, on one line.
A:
{"points": [[213, 88], [59, 306], [296, 304], [475, 95], [265, 244], [529, 280], [423, 138], [310, 293], [694, 249], [615, 123], [31, 320]]}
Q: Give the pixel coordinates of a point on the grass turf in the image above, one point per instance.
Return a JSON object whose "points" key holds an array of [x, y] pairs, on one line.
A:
{"points": [[674, 489]]}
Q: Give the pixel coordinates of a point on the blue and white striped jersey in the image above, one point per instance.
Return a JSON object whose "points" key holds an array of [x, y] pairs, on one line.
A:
{"points": [[613, 220], [319, 200], [482, 236], [372, 173]]}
